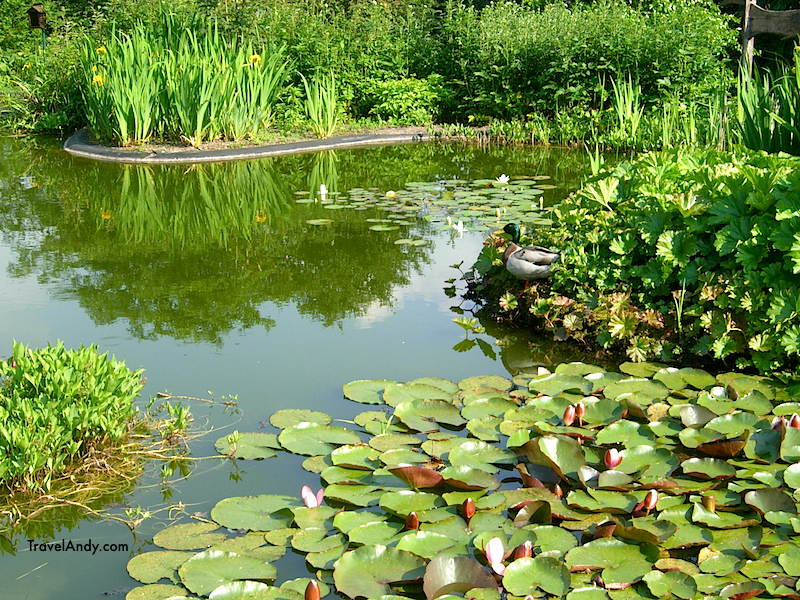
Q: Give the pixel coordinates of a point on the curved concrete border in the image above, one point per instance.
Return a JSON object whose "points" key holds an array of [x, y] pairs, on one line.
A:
{"points": [[80, 145]]}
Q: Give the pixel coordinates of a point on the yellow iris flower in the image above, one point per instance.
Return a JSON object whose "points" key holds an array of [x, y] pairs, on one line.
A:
{"points": [[98, 79], [101, 50], [255, 59]]}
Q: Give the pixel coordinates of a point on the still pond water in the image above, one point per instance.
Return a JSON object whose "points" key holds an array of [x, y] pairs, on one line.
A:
{"points": [[210, 278]]}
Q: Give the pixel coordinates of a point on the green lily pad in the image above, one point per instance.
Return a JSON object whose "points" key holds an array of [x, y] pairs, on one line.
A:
{"points": [[563, 454], [662, 584], [189, 536], [628, 433], [355, 456], [556, 383], [403, 502], [251, 446], [791, 476], [455, 575], [291, 417], [770, 500], [311, 439], [469, 478], [150, 567], [711, 468], [375, 532], [426, 544], [495, 382], [316, 539], [621, 562], [425, 415], [208, 570], [390, 441], [156, 591], [365, 391], [319, 221], [480, 455], [397, 393], [358, 495], [261, 513], [525, 575], [367, 570], [245, 590]]}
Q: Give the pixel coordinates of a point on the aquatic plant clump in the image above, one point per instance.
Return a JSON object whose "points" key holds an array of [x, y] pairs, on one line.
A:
{"points": [[55, 404], [581, 483], [671, 254]]}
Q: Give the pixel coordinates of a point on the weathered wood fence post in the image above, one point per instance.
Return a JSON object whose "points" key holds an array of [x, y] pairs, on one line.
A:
{"points": [[756, 20]]}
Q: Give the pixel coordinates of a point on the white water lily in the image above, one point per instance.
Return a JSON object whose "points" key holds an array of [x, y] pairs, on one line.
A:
{"points": [[503, 178], [323, 192]]}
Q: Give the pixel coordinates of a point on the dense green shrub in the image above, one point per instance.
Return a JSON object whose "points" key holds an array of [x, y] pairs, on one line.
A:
{"points": [[56, 403], [403, 101], [509, 60], [678, 252]]}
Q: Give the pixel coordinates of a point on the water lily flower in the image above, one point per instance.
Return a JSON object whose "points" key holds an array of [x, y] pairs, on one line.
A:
{"points": [[412, 521], [794, 421], [650, 500], [323, 192], [13, 364], [391, 194], [612, 458], [312, 591], [569, 415], [309, 499], [503, 178], [495, 553], [778, 423], [580, 410], [558, 492], [524, 550]]}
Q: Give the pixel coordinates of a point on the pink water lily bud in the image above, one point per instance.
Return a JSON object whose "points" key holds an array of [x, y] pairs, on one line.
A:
{"points": [[569, 415], [524, 550], [580, 410], [309, 499], [412, 521], [559, 493], [468, 508], [495, 553], [794, 421], [612, 458], [13, 364], [778, 423], [650, 500], [312, 591]]}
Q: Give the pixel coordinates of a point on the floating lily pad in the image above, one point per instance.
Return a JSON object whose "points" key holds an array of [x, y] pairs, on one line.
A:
{"points": [[621, 562], [455, 575], [525, 575], [291, 417], [245, 590], [366, 571], [156, 591], [311, 439], [208, 570], [248, 445], [365, 391], [425, 415], [662, 584], [264, 512], [319, 221], [189, 536], [151, 567]]}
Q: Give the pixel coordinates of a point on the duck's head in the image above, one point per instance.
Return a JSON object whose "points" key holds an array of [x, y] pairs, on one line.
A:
{"points": [[514, 231]]}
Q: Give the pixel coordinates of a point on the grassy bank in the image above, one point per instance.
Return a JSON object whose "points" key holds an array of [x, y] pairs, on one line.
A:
{"points": [[198, 70]]}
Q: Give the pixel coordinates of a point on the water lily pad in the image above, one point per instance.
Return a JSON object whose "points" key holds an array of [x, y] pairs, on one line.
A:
{"points": [[417, 476], [425, 415], [662, 584], [375, 532], [365, 391], [480, 455], [311, 439], [208, 570], [156, 591], [355, 456], [628, 433], [189, 536], [483, 407], [711, 468], [318, 221], [426, 544], [403, 502], [381, 227], [264, 512], [358, 495], [291, 417], [468, 478], [396, 393], [389, 441], [245, 590], [563, 454], [769, 500], [621, 562], [367, 570], [150, 567], [494, 382], [445, 385], [316, 539], [251, 446], [455, 575], [556, 383], [525, 575]]}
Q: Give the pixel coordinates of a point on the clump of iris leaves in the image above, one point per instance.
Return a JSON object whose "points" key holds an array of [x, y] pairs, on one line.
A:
{"points": [[652, 482], [673, 254]]}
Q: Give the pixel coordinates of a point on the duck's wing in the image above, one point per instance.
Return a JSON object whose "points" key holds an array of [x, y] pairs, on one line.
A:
{"points": [[537, 255]]}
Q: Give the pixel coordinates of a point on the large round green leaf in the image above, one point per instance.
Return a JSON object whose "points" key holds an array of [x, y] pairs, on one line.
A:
{"points": [[455, 575], [485, 381], [525, 575], [156, 591], [662, 584], [257, 513], [365, 391], [149, 567], [621, 562], [426, 544], [367, 570], [310, 439], [208, 570], [252, 446], [397, 393], [291, 417], [407, 501], [189, 536], [480, 455], [425, 415], [244, 590]]}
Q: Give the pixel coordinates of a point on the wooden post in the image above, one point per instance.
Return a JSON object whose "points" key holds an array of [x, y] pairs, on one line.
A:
{"points": [[748, 39]]}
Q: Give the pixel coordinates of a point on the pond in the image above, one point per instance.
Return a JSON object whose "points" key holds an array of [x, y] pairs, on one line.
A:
{"points": [[212, 279]]}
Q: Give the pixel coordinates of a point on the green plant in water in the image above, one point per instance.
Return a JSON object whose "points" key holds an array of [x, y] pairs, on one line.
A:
{"points": [[322, 104], [55, 405], [627, 104], [577, 483]]}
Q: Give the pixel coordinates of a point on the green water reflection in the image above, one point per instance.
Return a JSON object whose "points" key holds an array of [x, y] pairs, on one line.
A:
{"points": [[210, 278]]}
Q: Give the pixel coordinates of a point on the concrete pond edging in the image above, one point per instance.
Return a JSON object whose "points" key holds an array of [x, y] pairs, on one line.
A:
{"points": [[79, 144]]}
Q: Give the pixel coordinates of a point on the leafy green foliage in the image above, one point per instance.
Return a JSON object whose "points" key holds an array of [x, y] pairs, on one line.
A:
{"points": [[623, 503], [406, 101], [679, 252], [55, 404]]}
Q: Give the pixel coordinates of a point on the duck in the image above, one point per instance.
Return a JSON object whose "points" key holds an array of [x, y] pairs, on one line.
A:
{"points": [[527, 262]]}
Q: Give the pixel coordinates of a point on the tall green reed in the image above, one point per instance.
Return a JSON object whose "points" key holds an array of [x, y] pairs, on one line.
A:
{"points": [[322, 104], [183, 83], [626, 100]]}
